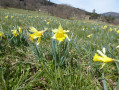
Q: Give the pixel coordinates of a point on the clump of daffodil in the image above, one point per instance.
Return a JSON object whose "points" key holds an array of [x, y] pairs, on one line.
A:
{"points": [[60, 34], [36, 34], [89, 36], [102, 58], [16, 32], [2, 34]]}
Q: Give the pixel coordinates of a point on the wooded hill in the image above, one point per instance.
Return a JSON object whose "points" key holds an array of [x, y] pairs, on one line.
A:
{"points": [[62, 10], [59, 10]]}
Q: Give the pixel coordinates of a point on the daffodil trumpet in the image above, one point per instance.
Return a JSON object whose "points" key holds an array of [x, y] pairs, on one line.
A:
{"points": [[60, 34]]}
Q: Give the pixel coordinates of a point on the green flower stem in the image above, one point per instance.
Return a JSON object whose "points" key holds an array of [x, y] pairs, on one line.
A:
{"points": [[59, 53], [117, 65], [118, 84], [103, 80]]}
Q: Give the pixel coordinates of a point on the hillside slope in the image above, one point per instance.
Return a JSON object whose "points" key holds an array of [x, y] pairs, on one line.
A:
{"points": [[62, 10], [64, 58], [114, 14]]}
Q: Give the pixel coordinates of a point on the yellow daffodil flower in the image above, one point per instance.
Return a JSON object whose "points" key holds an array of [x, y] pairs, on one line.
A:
{"points": [[60, 34], [103, 58], [2, 34], [6, 16], [16, 33], [20, 30], [32, 37], [12, 16], [105, 27], [89, 36], [115, 29], [110, 29], [36, 34], [48, 22], [118, 31]]}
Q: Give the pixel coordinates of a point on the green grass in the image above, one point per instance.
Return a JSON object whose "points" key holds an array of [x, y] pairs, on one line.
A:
{"points": [[24, 66]]}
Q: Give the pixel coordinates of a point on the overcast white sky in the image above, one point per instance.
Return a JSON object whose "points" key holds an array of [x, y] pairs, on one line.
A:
{"points": [[101, 6]]}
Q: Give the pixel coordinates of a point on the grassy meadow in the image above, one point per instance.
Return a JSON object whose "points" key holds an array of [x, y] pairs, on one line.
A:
{"points": [[44, 63]]}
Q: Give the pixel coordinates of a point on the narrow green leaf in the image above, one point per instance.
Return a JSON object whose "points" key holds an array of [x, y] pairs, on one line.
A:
{"points": [[103, 80]]}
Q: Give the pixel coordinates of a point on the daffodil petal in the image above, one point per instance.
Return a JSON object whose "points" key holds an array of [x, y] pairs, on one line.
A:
{"points": [[38, 41], [20, 29], [66, 30], [32, 29], [101, 53], [60, 27], [104, 50], [13, 30], [117, 46], [55, 30], [67, 37]]}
